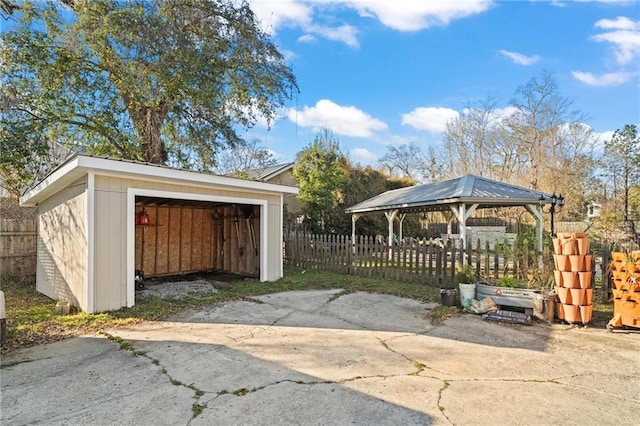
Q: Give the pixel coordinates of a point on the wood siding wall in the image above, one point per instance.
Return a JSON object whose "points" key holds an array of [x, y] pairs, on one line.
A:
{"points": [[62, 246]]}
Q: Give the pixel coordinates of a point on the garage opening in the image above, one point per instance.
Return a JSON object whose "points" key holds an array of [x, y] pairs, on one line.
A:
{"points": [[179, 237]]}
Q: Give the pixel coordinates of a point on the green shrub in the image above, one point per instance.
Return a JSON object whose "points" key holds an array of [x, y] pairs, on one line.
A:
{"points": [[510, 282], [465, 275]]}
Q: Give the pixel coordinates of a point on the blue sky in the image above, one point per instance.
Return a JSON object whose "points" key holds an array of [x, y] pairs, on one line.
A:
{"points": [[383, 72]]}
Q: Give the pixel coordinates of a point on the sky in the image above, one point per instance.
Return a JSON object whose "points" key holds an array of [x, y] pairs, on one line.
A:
{"points": [[381, 73]]}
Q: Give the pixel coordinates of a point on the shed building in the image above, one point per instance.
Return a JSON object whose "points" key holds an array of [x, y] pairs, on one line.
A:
{"points": [[102, 219]]}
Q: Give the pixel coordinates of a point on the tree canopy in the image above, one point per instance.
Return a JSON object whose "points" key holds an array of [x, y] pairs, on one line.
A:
{"points": [[169, 81]]}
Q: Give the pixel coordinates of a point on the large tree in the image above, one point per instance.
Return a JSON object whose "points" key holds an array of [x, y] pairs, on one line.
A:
{"points": [[160, 81], [622, 163], [320, 171]]}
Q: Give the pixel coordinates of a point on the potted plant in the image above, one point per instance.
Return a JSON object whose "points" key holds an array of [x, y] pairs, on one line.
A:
{"points": [[465, 278]]}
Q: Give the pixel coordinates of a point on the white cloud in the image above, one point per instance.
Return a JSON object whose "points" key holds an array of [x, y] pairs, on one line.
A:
{"points": [[624, 34], [412, 15], [276, 14], [432, 119], [342, 120], [604, 80], [519, 58], [363, 156], [401, 15], [344, 33], [307, 38]]}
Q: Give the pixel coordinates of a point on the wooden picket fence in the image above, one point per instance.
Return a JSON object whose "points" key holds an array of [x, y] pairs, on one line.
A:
{"points": [[427, 261]]}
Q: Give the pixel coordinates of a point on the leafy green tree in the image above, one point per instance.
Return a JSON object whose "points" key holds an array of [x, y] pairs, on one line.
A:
{"points": [[362, 184], [320, 171], [622, 162], [168, 81]]}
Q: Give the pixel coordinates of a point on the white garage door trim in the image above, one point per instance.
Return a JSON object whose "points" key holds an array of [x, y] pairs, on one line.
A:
{"points": [[131, 202]]}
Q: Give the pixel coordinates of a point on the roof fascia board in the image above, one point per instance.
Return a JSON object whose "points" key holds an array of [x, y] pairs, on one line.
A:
{"points": [[66, 173], [80, 165], [115, 166], [506, 202]]}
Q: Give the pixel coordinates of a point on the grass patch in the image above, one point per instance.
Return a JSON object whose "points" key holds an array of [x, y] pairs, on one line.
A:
{"points": [[31, 319], [197, 409], [602, 313], [440, 313]]}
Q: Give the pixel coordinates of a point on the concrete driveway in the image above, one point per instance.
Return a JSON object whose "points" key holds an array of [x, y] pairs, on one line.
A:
{"points": [[326, 358]]}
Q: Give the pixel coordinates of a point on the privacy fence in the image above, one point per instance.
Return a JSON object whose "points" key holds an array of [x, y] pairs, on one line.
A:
{"points": [[18, 234], [431, 261]]}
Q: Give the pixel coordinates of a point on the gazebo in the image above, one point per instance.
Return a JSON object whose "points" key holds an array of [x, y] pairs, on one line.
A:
{"points": [[457, 198]]}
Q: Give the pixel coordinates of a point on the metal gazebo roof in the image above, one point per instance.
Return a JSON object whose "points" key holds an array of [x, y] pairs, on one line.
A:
{"points": [[468, 189], [461, 196]]}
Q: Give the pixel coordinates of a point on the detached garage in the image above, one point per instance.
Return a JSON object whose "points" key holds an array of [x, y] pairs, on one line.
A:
{"points": [[101, 219]]}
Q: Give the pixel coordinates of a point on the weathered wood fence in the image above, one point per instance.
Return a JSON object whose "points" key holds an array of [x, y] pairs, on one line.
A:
{"points": [[432, 262], [18, 235], [423, 260]]}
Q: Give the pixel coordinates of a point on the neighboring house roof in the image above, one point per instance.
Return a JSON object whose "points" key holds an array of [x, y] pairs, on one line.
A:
{"points": [[79, 165], [266, 173], [468, 189]]}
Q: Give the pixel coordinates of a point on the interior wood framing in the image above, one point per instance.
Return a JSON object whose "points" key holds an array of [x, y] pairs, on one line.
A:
{"points": [[185, 236]]}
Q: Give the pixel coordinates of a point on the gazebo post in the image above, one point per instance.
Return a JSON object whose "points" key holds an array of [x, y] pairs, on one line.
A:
{"points": [[391, 215], [400, 226], [536, 212], [354, 219], [462, 214]]}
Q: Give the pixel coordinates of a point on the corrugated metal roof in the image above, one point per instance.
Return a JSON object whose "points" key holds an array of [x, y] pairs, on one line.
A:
{"points": [[468, 189]]}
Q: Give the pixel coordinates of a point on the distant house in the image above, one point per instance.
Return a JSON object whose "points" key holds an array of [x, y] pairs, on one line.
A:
{"points": [[281, 174]]}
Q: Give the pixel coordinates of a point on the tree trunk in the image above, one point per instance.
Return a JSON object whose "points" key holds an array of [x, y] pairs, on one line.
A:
{"points": [[148, 124]]}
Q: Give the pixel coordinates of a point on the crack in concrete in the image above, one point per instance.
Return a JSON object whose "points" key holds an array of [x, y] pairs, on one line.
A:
{"points": [[445, 385], [24, 361], [196, 408]]}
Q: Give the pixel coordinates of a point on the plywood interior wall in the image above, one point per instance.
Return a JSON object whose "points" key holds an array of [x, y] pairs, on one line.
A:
{"points": [[185, 239]]}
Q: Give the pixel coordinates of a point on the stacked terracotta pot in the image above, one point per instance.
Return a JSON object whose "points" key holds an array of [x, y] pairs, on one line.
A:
{"points": [[625, 280], [573, 278]]}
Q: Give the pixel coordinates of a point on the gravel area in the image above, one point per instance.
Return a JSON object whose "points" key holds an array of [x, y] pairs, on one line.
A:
{"points": [[178, 290]]}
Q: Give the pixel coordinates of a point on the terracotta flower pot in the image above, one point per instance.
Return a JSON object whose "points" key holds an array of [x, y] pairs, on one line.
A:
{"points": [[620, 275], [588, 261], [557, 246], [589, 296], [560, 311], [617, 256], [557, 275], [585, 279], [585, 313], [570, 279], [571, 313], [578, 296], [576, 262], [561, 262], [583, 245], [564, 295], [569, 246], [579, 235], [630, 267]]}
